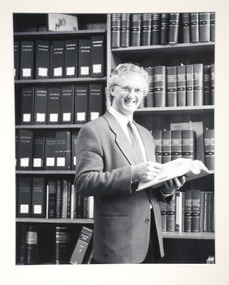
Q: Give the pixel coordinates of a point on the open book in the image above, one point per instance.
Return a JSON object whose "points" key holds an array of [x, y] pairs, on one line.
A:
{"points": [[191, 169]]}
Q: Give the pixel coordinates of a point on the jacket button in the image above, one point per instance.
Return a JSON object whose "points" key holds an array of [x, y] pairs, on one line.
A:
{"points": [[146, 221]]}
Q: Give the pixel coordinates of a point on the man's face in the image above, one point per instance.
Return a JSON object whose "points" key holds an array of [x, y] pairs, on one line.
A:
{"points": [[128, 94]]}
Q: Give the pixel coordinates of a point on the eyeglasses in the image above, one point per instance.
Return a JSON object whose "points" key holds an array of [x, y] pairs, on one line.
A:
{"points": [[128, 89]]}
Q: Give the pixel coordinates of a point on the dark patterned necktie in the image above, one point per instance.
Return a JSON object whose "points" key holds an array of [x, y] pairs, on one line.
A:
{"points": [[135, 142]]}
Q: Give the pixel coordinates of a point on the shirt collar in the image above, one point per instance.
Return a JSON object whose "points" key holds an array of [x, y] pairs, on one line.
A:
{"points": [[119, 117]]}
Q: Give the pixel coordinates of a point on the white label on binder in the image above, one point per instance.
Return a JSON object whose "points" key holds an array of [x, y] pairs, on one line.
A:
{"points": [[53, 117], [60, 161], [42, 71], [37, 162], [26, 72], [24, 208], [97, 68], [66, 117], [50, 161], [58, 71], [74, 160], [84, 70], [26, 118], [24, 162], [94, 115], [70, 70], [81, 116], [40, 117], [37, 209]]}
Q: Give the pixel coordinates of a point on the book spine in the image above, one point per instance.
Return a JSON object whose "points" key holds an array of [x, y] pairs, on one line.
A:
{"points": [[63, 239], [16, 59], [173, 28], [95, 101], [53, 108], [163, 215], [149, 98], [198, 84], [155, 32], [22, 246], [159, 76], [70, 58], [57, 59], [181, 86], [176, 144], [74, 137], [202, 193], [157, 135], [164, 28], [38, 150], [38, 197], [25, 149], [73, 202], [24, 195], [146, 29], [27, 60], [196, 197], [97, 56], [204, 27], [179, 200], [67, 104], [31, 245], [171, 86], [51, 201], [63, 150], [84, 58], [27, 105], [166, 146], [189, 85], [125, 30], [185, 27], [170, 215], [64, 199], [40, 105], [42, 59], [194, 18], [207, 84], [188, 144], [81, 104], [115, 30], [188, 211], [50, 147], [59, 196], [209, 146], [135, 30], [213, 83], [212, 26]]}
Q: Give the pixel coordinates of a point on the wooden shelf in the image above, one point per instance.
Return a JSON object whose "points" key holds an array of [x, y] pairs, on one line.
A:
{"points": [[46, 172], [55, 221], [67, 126], [184, 235], [60, 80]]}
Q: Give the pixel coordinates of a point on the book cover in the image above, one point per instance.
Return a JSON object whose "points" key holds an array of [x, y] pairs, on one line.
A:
{"points": [[179, 214], [40, 105], [63, 245], [209, 146], [67, 104], [32, 245], [155, 29], [53, 105], [38, 197], [74, 138], [162, 206], [188, 211], [64, 199], [50, 147], [194, 18], [57, 59], [16, 59], [25, 149], [81, 251], [196, 198], [21, 252], [27, 60], [159, 76], [170, 215], [207, 84], [59, 198], [174, 20], [157, 135], [176, 144], [98, 56], [146, 29], [73, 214], [63, 150], [166, 146], [212, 26], [135, 34], [185, 27], [125, 30], [189, 85], [181, 85], [27, 105], [42, 59], [70, 58], [198, 82], [204, 27], [115, 30], [213, 83], [51, 199], [189, 144], [84, 58], [81, 104], [95, 101], [24, 195], [38, 149], [171, 86], [149, 98], [202, 209], [164, 28]]}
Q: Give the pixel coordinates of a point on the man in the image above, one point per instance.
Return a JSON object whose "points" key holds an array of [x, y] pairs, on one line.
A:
{"points": [[127, 222]]}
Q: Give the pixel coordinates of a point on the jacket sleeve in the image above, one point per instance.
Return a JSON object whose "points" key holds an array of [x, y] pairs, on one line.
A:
{"points": [[91, 179]]}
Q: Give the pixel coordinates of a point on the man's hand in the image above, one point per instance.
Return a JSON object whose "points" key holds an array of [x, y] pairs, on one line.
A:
{"points": [[145, 171], [173, 185]]}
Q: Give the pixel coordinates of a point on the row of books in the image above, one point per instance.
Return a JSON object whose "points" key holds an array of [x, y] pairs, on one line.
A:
{"points": [[38, 197], [161, 28], [183, 85], [45, 149], [173, 144], [67, 247], [65, 104], [189, 211], [69, 58]]}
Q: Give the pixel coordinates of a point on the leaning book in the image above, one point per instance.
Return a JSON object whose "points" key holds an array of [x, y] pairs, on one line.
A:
{"points": [[191, 169]]}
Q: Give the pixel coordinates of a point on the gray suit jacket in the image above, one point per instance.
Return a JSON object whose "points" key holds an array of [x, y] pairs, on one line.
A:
{"points": [[103, 170]]}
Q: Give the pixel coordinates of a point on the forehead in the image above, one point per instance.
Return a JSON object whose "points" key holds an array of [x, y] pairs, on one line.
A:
{"points": [[133, 79]]}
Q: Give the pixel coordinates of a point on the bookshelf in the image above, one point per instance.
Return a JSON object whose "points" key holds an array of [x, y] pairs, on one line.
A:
{"points": [[34, 27]]}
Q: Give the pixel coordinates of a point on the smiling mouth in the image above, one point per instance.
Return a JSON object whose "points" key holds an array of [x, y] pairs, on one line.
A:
{"points": [[128, 101]]}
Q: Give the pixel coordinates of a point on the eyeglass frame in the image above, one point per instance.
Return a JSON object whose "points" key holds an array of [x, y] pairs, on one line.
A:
{"points": [[128, 89]]}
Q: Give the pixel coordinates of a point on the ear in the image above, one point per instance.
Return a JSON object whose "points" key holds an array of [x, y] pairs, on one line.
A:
{"points": [[112, 90]]}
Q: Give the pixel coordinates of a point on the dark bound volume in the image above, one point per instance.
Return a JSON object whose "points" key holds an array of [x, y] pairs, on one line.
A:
{"points": [[57, 59], [146, 29], [194, 18], [38, 197], [70, 58], [82, 250], [171, 86], [170, 215], [176, 144], [135, 30], [212, 26], [24, 195], [16, 59], [189, 85], [81, 104], [25, 149], [38, 150], [164, 28], [181, 86], [27, 105], [209, 146], [40, 105], [155, 31], [196, 196], [63, 150], [27, 60], [125, 30], [162, 205], [74, 137], [97, 56], [204, 27], [189, 144], [21, 250], [67, 104], [207, 84], [149, 98], [59, 197], [50, 147], [166, 146], [198, 82], [157, 135], [51, 199], [185, 27], [63, 242], [31, 245], [173, 28], [42, 61], [213, 83], [53, 105], [115, 30], [95, 101], [84, 59], [159, 76], [188, 211]]}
